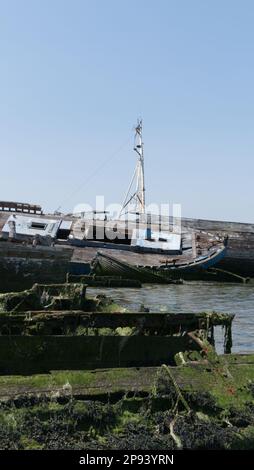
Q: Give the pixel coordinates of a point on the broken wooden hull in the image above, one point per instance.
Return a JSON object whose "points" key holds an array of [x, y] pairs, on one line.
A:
{"points": [[105, 264], [239, 258], [41, 326], [103, 379], [22, 266], [108, 265]]}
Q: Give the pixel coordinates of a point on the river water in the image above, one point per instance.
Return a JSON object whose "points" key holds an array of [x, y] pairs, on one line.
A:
{"points": [[197, 297]]}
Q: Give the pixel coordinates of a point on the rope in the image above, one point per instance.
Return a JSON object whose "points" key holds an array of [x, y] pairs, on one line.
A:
{"points": [[178, 391]]}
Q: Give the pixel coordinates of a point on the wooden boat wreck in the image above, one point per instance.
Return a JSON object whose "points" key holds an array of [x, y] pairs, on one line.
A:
{"points": [[238, 257], [143, 243], [79, 372], [139, 248], [33, 238], [160, 268], [58, 327]]}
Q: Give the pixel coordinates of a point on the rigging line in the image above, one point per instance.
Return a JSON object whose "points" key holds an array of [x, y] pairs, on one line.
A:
{"points": [[129, 200], [129, 189], [95, 172]]}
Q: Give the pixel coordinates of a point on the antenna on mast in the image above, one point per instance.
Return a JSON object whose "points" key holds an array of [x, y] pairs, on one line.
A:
{"points": [[138, 197]]}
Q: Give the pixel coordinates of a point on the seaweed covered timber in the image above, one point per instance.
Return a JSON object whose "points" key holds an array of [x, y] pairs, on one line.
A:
{"points": [[48, 321], [82, 372]]}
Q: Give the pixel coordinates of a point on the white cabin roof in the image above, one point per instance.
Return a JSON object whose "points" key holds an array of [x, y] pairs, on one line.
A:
{"points": [[31, 226], [159, 240]]}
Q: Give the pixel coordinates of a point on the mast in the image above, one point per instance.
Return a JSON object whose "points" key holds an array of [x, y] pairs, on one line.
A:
{"points": [[138, 198], [140, 191]]}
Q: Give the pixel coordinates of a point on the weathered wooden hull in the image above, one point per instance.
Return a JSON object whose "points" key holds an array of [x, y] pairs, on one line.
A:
{"points": [[37, 335], [31, 354], [104, 264], [108, 265], [22, 266], [157, 383], [239, 258]]}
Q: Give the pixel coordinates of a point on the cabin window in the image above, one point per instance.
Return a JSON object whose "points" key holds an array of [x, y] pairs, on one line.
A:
{"points": [[38, 225], [63, 234]]}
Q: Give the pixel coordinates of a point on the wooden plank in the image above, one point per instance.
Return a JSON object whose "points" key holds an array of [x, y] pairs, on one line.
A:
{"points": [[39, 354], [81, 383], [144, 323], [228, 386]]}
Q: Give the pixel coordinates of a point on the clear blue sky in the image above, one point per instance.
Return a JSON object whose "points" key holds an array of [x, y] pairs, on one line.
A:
{"points": [[76, 74]]}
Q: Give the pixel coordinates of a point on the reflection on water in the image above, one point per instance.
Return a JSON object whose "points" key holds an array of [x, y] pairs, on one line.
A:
{"points": [[197, 297]]}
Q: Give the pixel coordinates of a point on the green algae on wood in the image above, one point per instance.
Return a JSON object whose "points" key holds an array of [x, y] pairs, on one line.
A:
{"points": [[231, 390], [37, 353], [126, 408], [55, 297]]}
